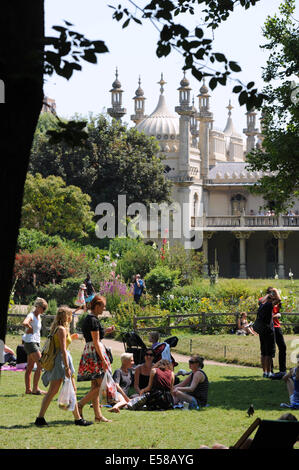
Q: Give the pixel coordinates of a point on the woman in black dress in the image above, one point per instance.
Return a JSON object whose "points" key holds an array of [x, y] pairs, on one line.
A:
{"points": [[94, 360]]}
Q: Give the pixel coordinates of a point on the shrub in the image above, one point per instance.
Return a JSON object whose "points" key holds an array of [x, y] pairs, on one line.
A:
{"points": [[123, 317], [44, 265], [139, 260], [63, 293], [115, 292], [188, 262], [161, 279]]}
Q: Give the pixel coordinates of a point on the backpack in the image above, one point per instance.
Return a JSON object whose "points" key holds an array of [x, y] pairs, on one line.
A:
{"points": [[48, 353]]}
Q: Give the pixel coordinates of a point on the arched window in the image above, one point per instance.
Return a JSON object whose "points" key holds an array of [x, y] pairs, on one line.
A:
{"points": [[238, 204]]}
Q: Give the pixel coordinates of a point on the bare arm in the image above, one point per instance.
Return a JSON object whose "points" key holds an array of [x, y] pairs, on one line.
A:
{"points": [[198, 377], [27, 324], [61, 332], [150, 383], [136, 379]]}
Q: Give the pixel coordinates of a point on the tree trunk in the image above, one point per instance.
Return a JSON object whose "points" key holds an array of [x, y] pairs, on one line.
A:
{"points": [[21, 70]]}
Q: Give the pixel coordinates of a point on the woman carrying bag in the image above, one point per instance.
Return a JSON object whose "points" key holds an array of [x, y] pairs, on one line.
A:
{"points": [[94, 360], [63, 365]]}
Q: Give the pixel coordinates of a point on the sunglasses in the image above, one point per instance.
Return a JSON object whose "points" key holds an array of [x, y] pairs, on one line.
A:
{"points": [[149, 354], [193, 362]]}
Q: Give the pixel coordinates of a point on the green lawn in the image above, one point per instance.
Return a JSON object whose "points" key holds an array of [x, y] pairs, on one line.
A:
{"points": [[232, 390], [235, 349]]}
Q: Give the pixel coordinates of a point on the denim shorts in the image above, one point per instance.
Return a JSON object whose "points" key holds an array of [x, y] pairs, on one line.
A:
{"points": [[31, 348]]}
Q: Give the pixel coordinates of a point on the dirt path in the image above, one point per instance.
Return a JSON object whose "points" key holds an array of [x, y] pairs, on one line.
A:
{"points": [[118, 348]]}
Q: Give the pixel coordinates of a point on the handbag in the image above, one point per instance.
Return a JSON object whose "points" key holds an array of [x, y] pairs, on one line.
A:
{"points": [[109, 354], [67, 397]]}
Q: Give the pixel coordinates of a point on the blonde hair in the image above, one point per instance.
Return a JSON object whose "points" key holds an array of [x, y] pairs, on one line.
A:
{"points": [[125, 356], [62, 318], [39, 302]]}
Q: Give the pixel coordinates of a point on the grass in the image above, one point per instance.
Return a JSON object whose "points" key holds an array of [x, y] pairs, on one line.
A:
{"points": [[235, 349], [232, 390]]}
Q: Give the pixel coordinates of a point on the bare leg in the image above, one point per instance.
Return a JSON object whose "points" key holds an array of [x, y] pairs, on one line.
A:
{"points": [[120, 404], [290, 386], [181, 396], [93, 397], [53, 390], [37, 373], [30, 364]]}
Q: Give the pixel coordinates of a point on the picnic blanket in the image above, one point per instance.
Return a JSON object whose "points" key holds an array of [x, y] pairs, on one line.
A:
{"points": [[17, 368]]}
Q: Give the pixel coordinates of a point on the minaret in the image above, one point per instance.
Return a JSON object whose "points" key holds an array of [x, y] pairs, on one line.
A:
{"points": [[251, 131], [139, 100], [194, 126], [185, 112], [116, 112], [205, 124]]}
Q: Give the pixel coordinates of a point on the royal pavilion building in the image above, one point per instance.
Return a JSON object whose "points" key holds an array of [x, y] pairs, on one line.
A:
{"points": [[210, 177]]}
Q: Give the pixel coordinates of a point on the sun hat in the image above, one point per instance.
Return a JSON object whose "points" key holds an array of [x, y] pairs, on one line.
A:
{"points": [[83, 286]]}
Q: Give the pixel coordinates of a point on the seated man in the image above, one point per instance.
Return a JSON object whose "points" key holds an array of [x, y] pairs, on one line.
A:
{"points": [[194, 388]]}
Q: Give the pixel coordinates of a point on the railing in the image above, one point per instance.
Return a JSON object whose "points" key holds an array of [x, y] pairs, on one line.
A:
{"points": [[245, 221], [202, 318], [46, 322]]}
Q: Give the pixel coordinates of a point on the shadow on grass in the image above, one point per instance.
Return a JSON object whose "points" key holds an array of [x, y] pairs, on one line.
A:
{"points": [[238, 393], [32, 425]]}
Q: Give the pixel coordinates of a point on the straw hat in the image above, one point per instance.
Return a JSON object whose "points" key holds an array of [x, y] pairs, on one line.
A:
{"points": [[83, 286]]}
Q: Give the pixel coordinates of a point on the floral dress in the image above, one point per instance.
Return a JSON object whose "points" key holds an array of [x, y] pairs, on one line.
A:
{"points": [[91, 366]]}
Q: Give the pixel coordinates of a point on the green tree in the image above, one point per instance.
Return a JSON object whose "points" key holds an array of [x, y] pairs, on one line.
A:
{"points": [[279, 155], [113, 160], [53, 207], [27, 55]]}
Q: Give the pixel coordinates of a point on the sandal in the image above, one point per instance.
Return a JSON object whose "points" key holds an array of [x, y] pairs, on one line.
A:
{"points": [[102, 420], [38, 392]]}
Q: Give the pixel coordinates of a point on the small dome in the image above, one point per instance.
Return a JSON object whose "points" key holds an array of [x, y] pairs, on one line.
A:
{"points": [[184, 82], [204, 89], [139, 91], [161, 122]]}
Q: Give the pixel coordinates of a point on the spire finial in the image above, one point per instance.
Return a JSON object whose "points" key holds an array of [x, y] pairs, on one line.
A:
{"points": [[162, 83], [229, 107]]}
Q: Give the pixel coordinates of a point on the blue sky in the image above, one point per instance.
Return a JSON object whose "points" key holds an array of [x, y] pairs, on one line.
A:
{"points": [[132, 50]]}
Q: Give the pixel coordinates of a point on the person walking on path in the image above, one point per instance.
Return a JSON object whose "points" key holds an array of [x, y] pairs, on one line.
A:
{"points": [[81, 297], [31, 340], [94, 360], [63, 366], [138, 288], [90, 290]]}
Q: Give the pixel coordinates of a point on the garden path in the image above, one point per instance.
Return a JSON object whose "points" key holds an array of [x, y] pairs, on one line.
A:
{"points": [[117, 347]]}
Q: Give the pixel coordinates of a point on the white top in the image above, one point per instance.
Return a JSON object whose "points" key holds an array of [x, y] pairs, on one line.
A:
{"points": [[36, 324]]}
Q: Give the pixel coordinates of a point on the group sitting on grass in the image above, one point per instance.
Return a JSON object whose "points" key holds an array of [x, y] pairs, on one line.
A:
{"points": [[151, 385]]}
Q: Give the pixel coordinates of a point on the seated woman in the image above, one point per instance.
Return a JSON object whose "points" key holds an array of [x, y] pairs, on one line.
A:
{"points": [[124, 376], [292, 381], [142, 372], [194, 389], [244, 327], [161, 380]]}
